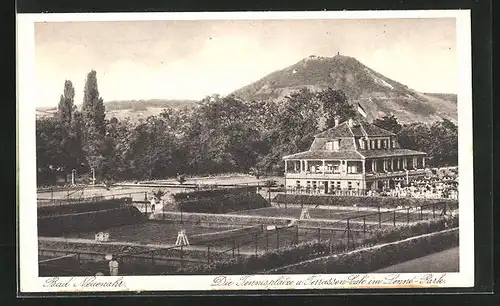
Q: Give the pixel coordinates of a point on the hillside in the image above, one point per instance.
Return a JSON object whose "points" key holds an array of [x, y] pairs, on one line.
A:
{"points": [[132, 109], [375, 92]]}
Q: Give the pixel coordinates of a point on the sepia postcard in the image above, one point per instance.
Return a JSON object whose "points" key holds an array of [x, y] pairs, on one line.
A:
{"points": [[245, 151]]}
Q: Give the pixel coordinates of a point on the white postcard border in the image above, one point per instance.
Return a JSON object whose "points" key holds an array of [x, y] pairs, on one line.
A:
{"points": [[28, 241]]}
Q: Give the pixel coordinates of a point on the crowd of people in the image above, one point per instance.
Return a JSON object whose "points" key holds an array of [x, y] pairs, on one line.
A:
{"points": [[441, 183]]}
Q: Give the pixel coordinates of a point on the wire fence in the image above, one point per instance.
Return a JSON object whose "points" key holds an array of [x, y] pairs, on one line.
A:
{"points": [[350, 230]]}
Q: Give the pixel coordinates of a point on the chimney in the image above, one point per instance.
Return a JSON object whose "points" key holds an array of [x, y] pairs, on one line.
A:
{"points": [[336, 121], [350, 122]]}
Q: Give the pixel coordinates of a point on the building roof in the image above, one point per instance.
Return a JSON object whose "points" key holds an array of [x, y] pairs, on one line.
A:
{"points": [[360, 128], [341, 130], [325, 154], [389, 153], [353, 155], [373, 130]]}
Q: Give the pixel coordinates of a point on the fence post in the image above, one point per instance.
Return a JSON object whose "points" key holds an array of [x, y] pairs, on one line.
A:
{"points": [[208, 254], [182, 260], [379, 218], [296, 234], [277, 238], [152, 258], [420, 213], [364, 226], [255, 242], [394, 218], [319, 233], [267, 240], [348, 233], [433, 211], [408, 215]]}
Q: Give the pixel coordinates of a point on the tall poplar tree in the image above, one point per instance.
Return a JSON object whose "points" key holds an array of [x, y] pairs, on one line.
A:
{"points": [[94, 125]]}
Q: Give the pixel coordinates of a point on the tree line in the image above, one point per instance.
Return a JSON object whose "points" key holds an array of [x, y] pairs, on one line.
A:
{"points": [[216, 135]]}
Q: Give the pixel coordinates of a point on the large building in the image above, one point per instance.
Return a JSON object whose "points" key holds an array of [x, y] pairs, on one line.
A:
{"points": [[352, 158]]}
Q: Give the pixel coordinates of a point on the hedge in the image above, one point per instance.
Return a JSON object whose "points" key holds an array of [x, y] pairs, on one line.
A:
{"points": [[80, 207], [314, 249], [224, 203], [372, 259], [58, 225], [188, 252], [199, 194], [202, 218], [383, 202]]}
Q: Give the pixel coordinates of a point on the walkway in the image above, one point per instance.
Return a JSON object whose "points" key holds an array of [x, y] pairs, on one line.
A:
{"points": [[444, 261]]}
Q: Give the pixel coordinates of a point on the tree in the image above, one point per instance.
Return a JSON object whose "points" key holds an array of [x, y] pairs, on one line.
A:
{"points": [[389, 123], [335, 105], [66, 106], [439, 140], [93, 118]]}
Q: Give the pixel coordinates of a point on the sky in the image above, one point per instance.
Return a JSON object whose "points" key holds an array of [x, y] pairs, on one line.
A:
{"points": [[192, 59]]}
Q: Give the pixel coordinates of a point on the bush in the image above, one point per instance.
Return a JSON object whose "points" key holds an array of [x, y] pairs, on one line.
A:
{"points": [[93, 220], [369, 260], [80, 207], [200, 218], [314, 249], [198, 194], [224, 203], [383, 202]]}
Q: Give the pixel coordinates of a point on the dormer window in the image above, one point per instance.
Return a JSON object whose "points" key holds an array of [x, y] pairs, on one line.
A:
{"points": [[336, 145], [329, 145]]}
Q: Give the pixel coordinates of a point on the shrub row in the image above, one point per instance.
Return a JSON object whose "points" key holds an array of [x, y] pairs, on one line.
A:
{"points": [[315, 248], [384, 202], [199, 253], [93, 220], [80, 207], [224, 203], [198, 194], [202, 218], [372, 259]]}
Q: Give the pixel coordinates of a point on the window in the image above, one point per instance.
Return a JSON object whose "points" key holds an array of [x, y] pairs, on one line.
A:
{"points": [[349, 185], [308, 183], [297, 183], [314, 184], [338, 185], [336, 169], [329, 145], [336, 145]]}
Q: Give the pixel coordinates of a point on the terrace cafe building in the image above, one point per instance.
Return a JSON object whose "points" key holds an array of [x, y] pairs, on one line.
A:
{"points": [[352, 158]]}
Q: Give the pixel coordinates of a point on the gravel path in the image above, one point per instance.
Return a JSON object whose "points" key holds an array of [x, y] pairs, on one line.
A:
{"points": [[444, 261]]}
